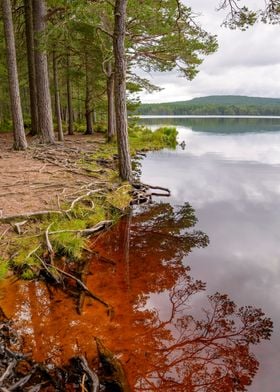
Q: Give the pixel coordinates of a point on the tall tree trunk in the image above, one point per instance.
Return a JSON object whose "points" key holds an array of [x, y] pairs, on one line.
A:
{"points": [[20, 142], [125, 170], [45, 120], [69, 99], [57, 99], [89, 129], [111, 104], [29, 34]]}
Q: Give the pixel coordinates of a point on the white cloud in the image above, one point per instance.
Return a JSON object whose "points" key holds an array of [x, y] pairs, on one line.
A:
{"points": [[246, 63]]}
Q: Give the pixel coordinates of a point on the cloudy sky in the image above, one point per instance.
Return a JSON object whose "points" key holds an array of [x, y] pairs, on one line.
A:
{"points": [[246, 63]]}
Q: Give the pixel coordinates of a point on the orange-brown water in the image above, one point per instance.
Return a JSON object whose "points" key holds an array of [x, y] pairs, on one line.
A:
{"points": [[165, 342]]}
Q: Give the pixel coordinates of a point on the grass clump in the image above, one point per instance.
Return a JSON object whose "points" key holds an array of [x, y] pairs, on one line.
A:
{"points": [[68, 244], [142, 138], [25, 252]]}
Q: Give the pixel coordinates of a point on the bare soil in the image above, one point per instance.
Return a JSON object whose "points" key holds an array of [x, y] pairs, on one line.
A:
{"points": [[41, 177]]}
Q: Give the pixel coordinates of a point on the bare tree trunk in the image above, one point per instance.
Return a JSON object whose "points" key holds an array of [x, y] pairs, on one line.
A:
{"points": [[69, 99], [57, 99], [89, 129], [29, 34], [111, 104], [125, 170], [20, 142], [45, 120]]}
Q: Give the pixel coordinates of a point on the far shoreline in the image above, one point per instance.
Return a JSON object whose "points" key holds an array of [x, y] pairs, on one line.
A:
{"points": [[202, 116]]}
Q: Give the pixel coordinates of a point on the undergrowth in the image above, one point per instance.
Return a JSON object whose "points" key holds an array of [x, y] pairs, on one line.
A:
{"points": [[141, 139], [29, 250]]}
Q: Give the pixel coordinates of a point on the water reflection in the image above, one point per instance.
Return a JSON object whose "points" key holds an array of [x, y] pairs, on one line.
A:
{"points": [[164, 341], [219, 125], [178, 349], [232, 180]]}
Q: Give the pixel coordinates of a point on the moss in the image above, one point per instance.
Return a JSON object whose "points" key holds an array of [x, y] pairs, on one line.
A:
{"points": [[28, 274], [23, 251], [4, 267], [68, 244], [120, 198]]}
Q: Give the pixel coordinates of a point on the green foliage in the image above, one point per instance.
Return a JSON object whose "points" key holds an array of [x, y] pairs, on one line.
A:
{"points": [[142, 138], [68, 244], [100, 127], [215, 105], [4, 266], [120, 198], [242, 17], [28, 274], [6, 125], [24, 255]]}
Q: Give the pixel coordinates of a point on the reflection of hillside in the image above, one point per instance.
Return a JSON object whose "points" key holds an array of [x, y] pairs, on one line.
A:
{"points": [[156, 331], [220, 125]]}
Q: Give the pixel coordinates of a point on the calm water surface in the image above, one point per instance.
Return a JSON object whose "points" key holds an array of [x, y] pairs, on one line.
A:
{"points": [[177, 272], [230, 173]]}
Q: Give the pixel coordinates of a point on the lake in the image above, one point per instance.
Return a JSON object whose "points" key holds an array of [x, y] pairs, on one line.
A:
{"points": [[186, 276], [230, 174]]}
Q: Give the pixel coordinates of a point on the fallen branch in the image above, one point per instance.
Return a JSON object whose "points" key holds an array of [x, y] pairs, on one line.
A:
{"points": [[47, 269], [85, 232], [4, 233], [27, 215], [48, 242], [74, 202], [18, 225], [8, 371], [20, 383], [82, 285], [91, 375]]}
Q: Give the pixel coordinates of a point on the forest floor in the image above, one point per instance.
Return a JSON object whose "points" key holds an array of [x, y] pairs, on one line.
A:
{"points": [[43, 178], [36, 179]]}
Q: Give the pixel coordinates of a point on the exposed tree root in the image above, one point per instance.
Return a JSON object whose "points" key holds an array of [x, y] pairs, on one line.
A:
{"points": [[141, 193], [39, 214]]}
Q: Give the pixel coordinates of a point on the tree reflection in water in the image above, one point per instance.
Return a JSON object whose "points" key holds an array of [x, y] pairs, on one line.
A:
{"points": [[163, 338], [171, 347]]}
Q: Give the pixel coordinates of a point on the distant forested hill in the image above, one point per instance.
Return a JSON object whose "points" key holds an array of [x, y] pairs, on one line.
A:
{"points": [[215, 105]]}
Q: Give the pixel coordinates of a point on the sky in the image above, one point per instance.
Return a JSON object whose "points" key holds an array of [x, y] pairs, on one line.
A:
{"points": [[246, 63]]}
